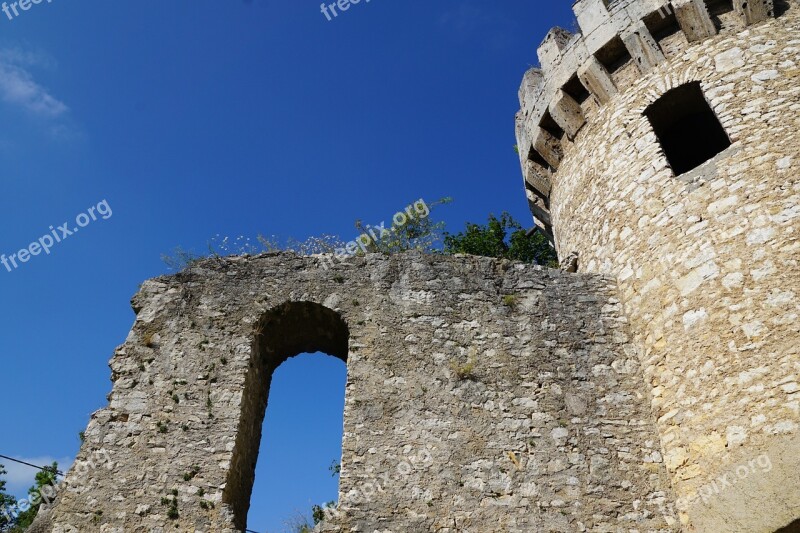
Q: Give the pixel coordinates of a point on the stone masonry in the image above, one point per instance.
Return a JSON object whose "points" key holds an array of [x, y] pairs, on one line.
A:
{"points": [[482, 396], [707, 260], [656, 389]]}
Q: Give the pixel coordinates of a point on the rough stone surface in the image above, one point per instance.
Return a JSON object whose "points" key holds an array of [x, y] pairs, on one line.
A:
{"points": [[481, 396], [707, 262], [656, 389]]}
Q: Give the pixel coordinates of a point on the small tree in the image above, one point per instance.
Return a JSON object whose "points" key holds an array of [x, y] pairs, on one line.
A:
{"points": [[494, 240], [7, 502], [47, 477]]}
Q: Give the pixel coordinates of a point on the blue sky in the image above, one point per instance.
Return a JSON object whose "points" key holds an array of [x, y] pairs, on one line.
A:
{"points": [[192, 118]]}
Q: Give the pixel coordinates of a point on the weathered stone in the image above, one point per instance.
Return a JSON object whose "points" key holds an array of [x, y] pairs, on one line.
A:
{"points": [[754, 11], [530, 87], [548, 147], [643, 48], [538, 177], [426, 446], [694, 19], [704, 261], [595, 77], [550, 49], [567, 113]]}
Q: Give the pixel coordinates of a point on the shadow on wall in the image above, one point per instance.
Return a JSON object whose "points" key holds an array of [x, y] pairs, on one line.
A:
{"points": [[794, 527], [285, 331]]}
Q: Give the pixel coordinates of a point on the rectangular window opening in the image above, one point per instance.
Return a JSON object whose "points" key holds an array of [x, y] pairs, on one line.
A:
{"points": [[719, 7], [613, 55], [687, 128], [536, 157], [576, 90], [549, 125], [662, 24]]}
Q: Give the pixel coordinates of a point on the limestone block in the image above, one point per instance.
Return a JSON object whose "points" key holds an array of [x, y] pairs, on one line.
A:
{"points": [[754, 11], [531, 82], [643, 48], [538, 209], [596, 23], [694, 19], [548, 147], [597, 80], [538, 177], [552, 46], [638, 9], [567, 113]]}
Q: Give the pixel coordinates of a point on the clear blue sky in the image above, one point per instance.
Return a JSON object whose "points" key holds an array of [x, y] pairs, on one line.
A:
{"points": [[193, 118]]}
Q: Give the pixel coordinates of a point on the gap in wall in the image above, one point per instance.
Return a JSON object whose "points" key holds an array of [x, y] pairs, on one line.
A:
{"points": [[302, 435]]}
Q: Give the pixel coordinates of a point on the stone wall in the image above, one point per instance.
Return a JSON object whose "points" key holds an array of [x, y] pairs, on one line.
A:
{"points": [[707, 261], [482, 396]]}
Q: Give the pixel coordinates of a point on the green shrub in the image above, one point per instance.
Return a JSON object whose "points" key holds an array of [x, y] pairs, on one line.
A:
{"points": [[503, 238]]}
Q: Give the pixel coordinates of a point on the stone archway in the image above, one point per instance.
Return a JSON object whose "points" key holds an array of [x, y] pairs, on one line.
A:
{"points": [[282, 332]]}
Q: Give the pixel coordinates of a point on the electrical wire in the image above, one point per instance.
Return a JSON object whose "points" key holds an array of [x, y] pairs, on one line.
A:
{"points": [[42, 468]]}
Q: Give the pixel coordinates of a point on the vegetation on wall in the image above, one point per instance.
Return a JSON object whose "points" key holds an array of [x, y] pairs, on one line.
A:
{"points": [[501, 237]]}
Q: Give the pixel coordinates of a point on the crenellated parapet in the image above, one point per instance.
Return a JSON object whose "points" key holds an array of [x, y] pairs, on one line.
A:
{"points": [[619, 40]]}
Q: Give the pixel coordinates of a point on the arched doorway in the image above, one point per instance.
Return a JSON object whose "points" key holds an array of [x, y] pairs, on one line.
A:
{"points": [[285, 331]]}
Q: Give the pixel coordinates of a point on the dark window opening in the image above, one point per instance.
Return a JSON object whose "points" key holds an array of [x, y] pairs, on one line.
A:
{"points": [[687, 128], [662, 24], [576, 90], [614, 55], [719, 7], [536, 157], [794, 527], [549, 125]]}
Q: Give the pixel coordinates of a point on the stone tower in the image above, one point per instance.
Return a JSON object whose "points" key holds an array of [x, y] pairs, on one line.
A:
{"points": [[660, 144]]}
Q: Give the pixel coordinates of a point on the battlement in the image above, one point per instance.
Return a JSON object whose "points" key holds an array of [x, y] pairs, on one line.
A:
{"points": [[619, 41]]}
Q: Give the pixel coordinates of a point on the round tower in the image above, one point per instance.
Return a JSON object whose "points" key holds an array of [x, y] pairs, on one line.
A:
{"points": [[660, 145]]}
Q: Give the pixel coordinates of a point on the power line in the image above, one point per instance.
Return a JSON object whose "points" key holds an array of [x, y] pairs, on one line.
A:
{"points": [[43, 468]]}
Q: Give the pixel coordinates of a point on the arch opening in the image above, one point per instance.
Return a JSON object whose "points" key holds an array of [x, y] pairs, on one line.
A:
{"points": [[285, 331]]}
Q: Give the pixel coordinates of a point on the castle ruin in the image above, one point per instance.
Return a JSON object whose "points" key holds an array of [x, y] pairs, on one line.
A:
{"points": [[657, 389]]}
